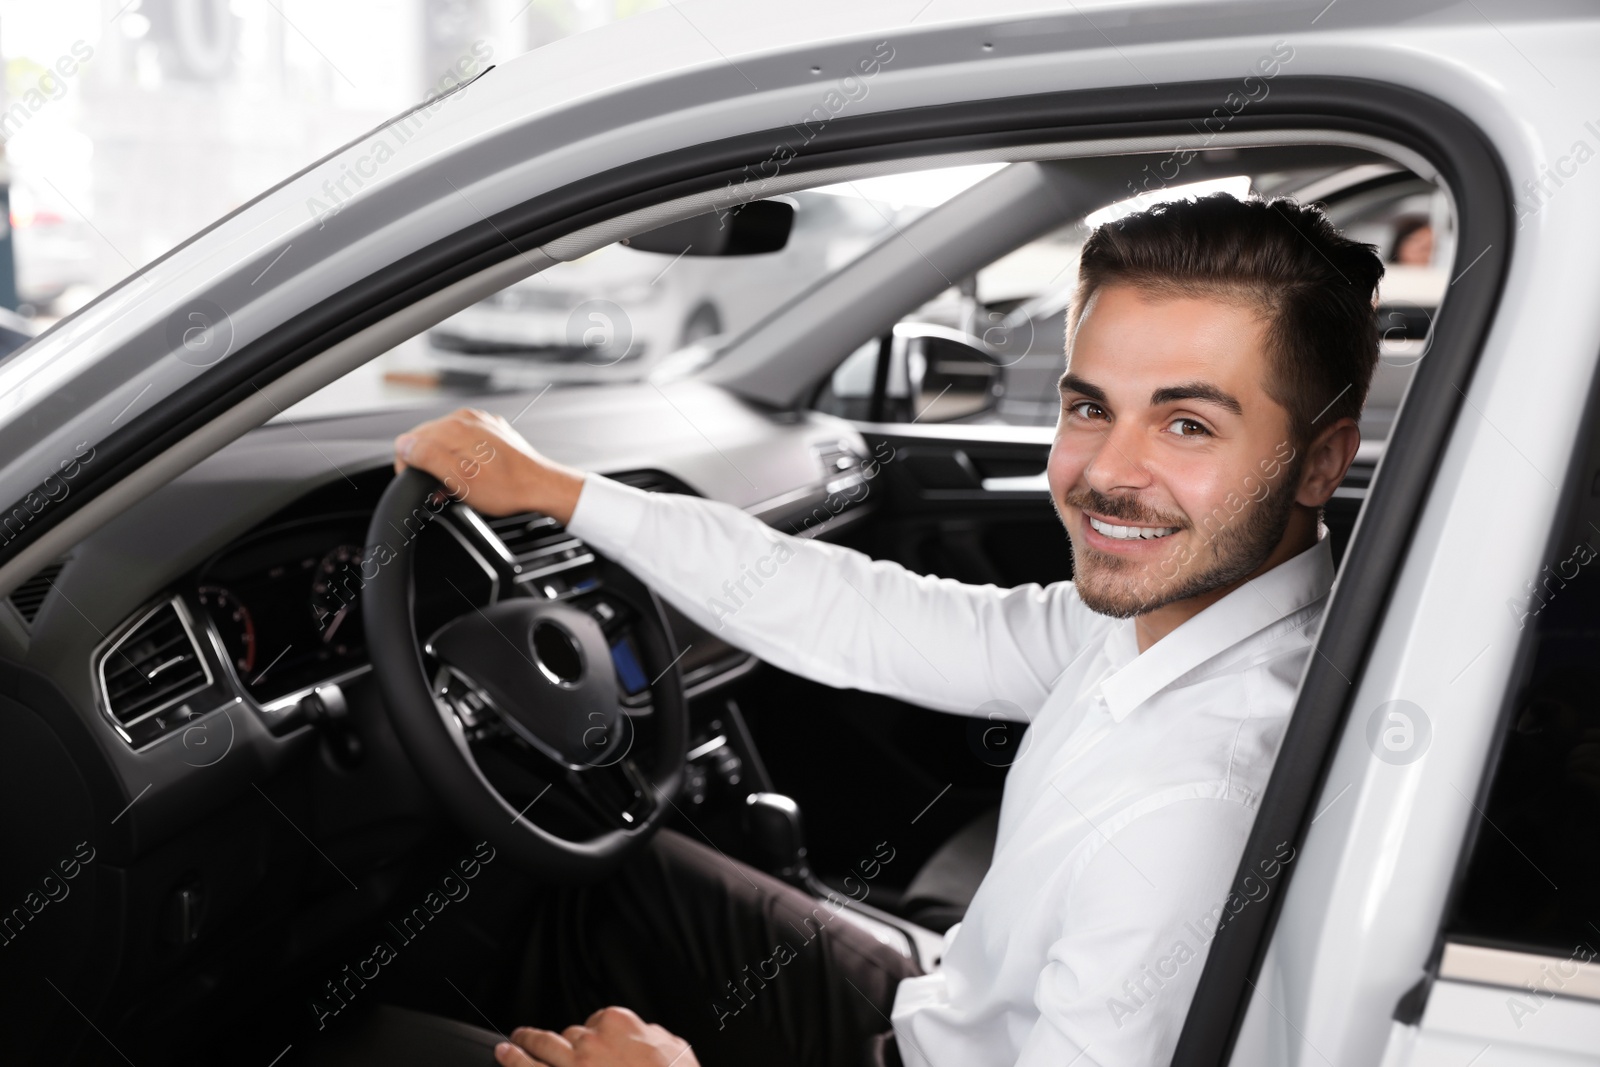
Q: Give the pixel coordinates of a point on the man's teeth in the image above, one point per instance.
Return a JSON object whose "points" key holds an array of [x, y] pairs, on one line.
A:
{"points": [[1131, 533]]}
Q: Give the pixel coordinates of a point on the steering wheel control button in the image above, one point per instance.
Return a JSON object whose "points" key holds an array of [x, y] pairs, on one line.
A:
{"points": [[546, 667]]}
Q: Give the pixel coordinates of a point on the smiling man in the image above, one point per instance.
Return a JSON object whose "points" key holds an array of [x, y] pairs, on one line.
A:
{"points": [[1218, 356]]}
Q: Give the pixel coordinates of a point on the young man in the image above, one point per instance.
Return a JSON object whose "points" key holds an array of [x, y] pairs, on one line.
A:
{"points": [[1218, 356]]}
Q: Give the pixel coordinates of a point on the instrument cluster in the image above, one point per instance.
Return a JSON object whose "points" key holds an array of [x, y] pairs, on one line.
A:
{"points": [[285, 605]]}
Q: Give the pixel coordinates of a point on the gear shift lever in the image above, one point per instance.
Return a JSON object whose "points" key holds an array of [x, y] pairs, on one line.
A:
{"points": [[773, 823]]}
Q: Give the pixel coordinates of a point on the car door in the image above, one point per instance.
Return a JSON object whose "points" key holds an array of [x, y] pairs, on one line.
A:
{"points": [[1514, 975]]}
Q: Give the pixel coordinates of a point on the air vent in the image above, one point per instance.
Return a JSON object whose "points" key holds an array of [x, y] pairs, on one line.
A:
{"points": [[30, 596], [653, 482], [538, 545], [842, 465], [152, 667]]}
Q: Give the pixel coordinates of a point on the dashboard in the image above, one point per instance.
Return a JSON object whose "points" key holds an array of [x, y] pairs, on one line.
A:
{"points": [[274, 619], [188, 691], [185, 636]]}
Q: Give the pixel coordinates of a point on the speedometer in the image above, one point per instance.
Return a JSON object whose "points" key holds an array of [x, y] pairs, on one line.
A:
{"points": [[336, 600], [234, 623]]}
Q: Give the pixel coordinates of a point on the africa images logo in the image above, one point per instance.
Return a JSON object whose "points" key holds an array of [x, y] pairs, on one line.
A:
{"points": [[1399, 732]]}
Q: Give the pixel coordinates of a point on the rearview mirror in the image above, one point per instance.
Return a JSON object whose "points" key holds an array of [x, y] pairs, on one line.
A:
{"points": [[755, 228]]}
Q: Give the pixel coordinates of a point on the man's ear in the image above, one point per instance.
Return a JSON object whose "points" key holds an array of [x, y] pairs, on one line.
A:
{"points": [[1327, 458]]}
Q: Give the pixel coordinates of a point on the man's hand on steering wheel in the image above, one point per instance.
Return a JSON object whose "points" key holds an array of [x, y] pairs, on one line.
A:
{"points": [[611, 1037], [483, 684], [481, 458]]}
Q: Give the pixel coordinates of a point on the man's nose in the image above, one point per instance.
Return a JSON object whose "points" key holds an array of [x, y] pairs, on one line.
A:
{"points": [[1120, 461]]}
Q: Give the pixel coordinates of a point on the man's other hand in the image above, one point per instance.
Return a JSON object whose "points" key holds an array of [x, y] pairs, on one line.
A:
{"points": [[611, 1037], [481, 459]]}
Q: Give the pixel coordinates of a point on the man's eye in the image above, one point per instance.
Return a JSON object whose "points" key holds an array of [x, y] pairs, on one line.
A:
{"points": [[1188, 428], [1086, 409]]}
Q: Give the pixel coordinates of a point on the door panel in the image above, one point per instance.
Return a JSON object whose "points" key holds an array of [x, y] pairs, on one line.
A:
{"points": [[964, 507]]}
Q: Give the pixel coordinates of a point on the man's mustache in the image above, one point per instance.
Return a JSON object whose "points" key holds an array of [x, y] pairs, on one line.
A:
{"points": [[1119, 507]]}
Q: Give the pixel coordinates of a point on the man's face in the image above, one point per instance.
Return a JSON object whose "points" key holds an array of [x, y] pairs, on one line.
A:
{"points": [[1172, 469]]}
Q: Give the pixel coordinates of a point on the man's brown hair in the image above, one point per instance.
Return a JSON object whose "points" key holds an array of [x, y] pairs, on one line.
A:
{"points": [[1314, 285]]}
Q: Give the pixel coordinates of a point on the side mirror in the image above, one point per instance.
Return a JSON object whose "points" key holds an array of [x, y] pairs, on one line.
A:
{"points": [[948, 374], [754, 229], [920, 371]]}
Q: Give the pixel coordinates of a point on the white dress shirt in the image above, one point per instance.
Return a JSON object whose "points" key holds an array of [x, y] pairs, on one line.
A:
{"points": [[1126, 812]]}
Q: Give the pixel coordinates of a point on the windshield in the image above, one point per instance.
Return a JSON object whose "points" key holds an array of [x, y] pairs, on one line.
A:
{"points": [[618, 313]]}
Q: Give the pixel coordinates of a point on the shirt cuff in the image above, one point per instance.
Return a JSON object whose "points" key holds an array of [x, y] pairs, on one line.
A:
{"points": [[608, 513]]}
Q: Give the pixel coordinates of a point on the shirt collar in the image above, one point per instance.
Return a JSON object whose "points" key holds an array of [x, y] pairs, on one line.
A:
{"points": [[1287, 588]]}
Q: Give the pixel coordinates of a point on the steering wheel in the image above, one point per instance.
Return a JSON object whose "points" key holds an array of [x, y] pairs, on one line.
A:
{"points": [[513, 713]]}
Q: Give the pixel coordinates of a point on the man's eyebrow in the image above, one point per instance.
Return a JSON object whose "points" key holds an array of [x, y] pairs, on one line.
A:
{"points": [[1078, 385], [1196, 391]]}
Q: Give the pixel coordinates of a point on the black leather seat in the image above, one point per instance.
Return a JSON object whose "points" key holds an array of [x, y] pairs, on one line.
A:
{"points": [[940, 891]]}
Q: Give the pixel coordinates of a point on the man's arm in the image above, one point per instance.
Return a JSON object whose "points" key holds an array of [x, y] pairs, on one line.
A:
{"points": [[822, 611]]}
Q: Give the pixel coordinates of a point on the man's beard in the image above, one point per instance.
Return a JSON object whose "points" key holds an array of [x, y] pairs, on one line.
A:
{"points": [[1111, 585]]}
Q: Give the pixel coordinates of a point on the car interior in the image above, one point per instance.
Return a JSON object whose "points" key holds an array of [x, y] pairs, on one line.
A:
{"points": [[898, 397]]}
